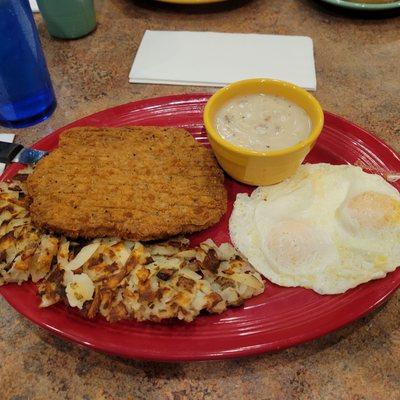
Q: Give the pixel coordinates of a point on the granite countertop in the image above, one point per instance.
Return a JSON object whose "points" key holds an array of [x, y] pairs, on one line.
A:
{"points": [[357, 62]]}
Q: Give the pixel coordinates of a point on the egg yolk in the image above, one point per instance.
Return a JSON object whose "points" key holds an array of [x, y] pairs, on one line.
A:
{"points": [[292, 243], [372, 210]]}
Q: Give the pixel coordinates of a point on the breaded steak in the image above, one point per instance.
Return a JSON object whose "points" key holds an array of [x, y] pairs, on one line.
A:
{"points": [[137, 183]]}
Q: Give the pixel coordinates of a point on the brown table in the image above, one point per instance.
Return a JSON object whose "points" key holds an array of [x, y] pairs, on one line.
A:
{"points": [[357, 62]]}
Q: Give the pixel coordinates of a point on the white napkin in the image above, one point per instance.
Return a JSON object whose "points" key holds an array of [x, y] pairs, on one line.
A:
{"points": [[34, 5], [5, 137], [217, 59]]}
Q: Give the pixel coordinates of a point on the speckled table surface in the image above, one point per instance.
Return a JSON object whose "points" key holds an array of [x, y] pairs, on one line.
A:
{"points": [[357, 61]]}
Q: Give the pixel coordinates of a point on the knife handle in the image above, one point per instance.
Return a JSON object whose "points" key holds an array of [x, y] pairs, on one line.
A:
{"points": [[8, 151]]}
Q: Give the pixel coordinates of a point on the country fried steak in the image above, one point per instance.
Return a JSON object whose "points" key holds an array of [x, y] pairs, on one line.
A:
{"points": [[120, 279], [137, 183]]}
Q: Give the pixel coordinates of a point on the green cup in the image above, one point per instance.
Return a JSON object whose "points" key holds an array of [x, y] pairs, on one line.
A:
{"points": [[68, 19]]}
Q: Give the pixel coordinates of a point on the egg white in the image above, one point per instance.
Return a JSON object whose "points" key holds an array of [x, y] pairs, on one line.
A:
{"points": [[328, 228]]}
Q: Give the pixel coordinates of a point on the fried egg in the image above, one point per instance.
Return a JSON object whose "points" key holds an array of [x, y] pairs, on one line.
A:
{"points": [[328, 228]]}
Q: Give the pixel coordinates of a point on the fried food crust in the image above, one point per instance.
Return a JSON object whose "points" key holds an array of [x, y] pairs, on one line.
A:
{"points": [[137, 183]]}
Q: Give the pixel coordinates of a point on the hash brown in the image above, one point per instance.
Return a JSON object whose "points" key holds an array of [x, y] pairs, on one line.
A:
{"points": [[120, 279], [137, 183], [25, 252], [128, 280]]}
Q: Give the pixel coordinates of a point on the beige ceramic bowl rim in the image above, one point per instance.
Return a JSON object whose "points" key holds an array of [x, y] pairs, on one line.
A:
{"points": [[213, 133]]}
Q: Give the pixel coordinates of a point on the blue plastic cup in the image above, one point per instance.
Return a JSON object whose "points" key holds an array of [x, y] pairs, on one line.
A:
{"points": [[26, 92]]}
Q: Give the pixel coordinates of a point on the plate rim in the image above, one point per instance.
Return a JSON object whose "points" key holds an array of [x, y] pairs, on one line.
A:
{"points": [[364, 6], [243, 352], [191, 2], [6, 291]]}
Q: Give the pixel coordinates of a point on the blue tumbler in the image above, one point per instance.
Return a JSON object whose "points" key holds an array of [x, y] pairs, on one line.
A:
{"points": [[26, 92]]}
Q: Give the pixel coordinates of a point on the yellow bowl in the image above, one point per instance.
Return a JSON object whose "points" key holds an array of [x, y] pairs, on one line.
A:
{"points": [[255, 167]]}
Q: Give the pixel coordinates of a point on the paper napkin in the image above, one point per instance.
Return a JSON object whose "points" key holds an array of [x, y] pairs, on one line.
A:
{"points": [[34, 5], [216, 59], [5, 137]]}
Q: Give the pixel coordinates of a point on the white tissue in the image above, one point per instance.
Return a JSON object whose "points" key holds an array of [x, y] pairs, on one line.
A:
{"points": [[5, 137], [217, 59]]}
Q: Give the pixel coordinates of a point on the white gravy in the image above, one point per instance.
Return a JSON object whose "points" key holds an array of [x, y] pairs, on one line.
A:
{"points": [[262, 122]]}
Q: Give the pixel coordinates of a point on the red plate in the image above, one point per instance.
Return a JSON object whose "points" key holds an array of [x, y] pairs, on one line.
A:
{"points": [[279, 318]]}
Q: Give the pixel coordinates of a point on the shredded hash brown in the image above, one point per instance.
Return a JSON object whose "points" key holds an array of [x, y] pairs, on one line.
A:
{"points": [[120, 279], [137, 183], [25, 252]]}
